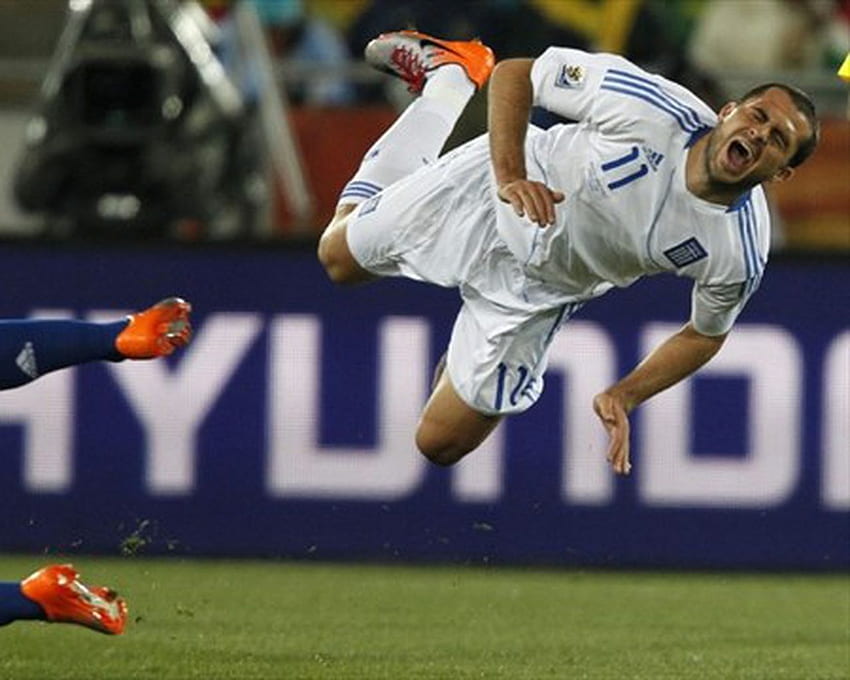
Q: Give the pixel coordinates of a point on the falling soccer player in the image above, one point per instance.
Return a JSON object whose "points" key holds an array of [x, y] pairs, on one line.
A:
{"points": [[532, 224]]}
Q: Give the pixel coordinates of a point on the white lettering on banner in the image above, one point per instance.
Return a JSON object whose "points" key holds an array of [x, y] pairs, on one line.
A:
{"points": [[172, 404], [480, 476], [670, 476], [45, 409], [583, 352], [298, 466], [836, 425]]}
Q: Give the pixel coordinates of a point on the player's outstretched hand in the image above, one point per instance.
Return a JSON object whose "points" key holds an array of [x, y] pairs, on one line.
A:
{"points": [[530, 198], [613, 415]]}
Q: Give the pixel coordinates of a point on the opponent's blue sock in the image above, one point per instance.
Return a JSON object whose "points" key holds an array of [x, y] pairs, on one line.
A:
{"points": [[31, 348], [15, 606]]}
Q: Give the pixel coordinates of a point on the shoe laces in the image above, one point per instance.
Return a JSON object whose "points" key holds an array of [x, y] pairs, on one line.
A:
{"points": [[410, 66]]}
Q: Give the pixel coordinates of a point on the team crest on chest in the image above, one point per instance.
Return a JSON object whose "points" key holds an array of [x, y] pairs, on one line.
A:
{"points": [[685, 253], [571, 76]]}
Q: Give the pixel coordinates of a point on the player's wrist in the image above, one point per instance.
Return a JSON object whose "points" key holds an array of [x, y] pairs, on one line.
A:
{"points": [[622, 396]]}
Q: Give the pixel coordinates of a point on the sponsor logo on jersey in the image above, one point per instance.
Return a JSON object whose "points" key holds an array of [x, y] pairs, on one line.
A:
{"points": [[653, 157], [685, 253], [570, 76]]}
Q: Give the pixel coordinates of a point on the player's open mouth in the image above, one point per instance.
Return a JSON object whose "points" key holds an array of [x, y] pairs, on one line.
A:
{"points": [[738, 155]]}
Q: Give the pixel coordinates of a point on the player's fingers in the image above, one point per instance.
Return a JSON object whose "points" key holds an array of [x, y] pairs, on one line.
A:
{"points": [[518, 205], [620, 446], [552, 198], [603, 411], [616, 423], [511, 194], [543, 206], [615, 444], [536, 206], [515, 199], [620, 456]]}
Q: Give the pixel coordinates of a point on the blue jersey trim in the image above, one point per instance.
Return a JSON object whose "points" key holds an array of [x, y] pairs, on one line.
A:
{"points": [[747, 230], [636, 86], [696, 135], [740, 201], [649, 84], [360, 189]]}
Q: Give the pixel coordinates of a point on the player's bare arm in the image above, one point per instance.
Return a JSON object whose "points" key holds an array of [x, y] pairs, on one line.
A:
{"points": [[672, 361], [509, 107]]}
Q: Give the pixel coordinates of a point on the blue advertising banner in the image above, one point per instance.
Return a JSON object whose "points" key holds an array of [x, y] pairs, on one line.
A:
{"points": [[286, 428]]}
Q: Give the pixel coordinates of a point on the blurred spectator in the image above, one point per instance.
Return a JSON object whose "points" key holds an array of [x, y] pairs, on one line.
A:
{"points": [[837, 35], [652, 33], [307, 39], [312, 47], [605, 26], [512, 28], [761, 35]]}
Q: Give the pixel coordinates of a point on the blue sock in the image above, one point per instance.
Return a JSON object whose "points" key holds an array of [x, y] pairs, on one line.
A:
{"points": [[15, 606], [31, 348]]}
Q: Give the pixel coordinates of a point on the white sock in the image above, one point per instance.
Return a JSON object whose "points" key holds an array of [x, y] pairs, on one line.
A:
{"points": [[417, 136]]}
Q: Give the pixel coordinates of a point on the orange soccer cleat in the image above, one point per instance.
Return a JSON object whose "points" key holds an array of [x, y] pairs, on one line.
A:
{"points": [[411, 55], [156, 331], [58, 591]]}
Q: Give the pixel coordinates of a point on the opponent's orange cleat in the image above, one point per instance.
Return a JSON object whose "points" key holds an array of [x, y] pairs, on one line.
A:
{"points": [[58, 591], [156, 331], [411, 55]]}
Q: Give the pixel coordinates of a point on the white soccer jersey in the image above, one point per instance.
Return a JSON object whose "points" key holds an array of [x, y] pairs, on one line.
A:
{"points": [[628, 212]]}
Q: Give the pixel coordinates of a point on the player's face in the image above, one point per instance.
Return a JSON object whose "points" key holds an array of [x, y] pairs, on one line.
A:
{"points": [[755, 139]]}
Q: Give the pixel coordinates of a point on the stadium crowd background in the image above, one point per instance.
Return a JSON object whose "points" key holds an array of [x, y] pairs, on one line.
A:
{"points": [[319, 107]]}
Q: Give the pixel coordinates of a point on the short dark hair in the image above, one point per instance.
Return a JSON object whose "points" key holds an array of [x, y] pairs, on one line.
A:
{"points": [[804, 105]]}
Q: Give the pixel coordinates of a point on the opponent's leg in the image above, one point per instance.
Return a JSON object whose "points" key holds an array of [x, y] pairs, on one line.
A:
{"points": [[29, 348], [56, 594], [15, 606], [446, 74]]}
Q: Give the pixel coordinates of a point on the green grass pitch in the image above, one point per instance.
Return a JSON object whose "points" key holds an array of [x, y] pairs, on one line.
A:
{"points": [[268, 620]]}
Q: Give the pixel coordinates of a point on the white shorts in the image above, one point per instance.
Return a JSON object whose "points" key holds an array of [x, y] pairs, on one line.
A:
{"points": [[438, 225]]}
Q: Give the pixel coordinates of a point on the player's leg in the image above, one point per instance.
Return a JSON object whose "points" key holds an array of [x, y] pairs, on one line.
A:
{"points": [[449, 428], [30, 348], [446, 75], [15, 606], [56, 594], [494, 367]]}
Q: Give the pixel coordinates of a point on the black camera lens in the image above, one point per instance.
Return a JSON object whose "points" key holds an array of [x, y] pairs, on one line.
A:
{"points": [[118, 94]]}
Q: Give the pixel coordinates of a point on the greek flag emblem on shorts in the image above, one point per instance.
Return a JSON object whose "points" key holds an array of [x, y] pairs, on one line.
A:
{"points": [[687, 252]]}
